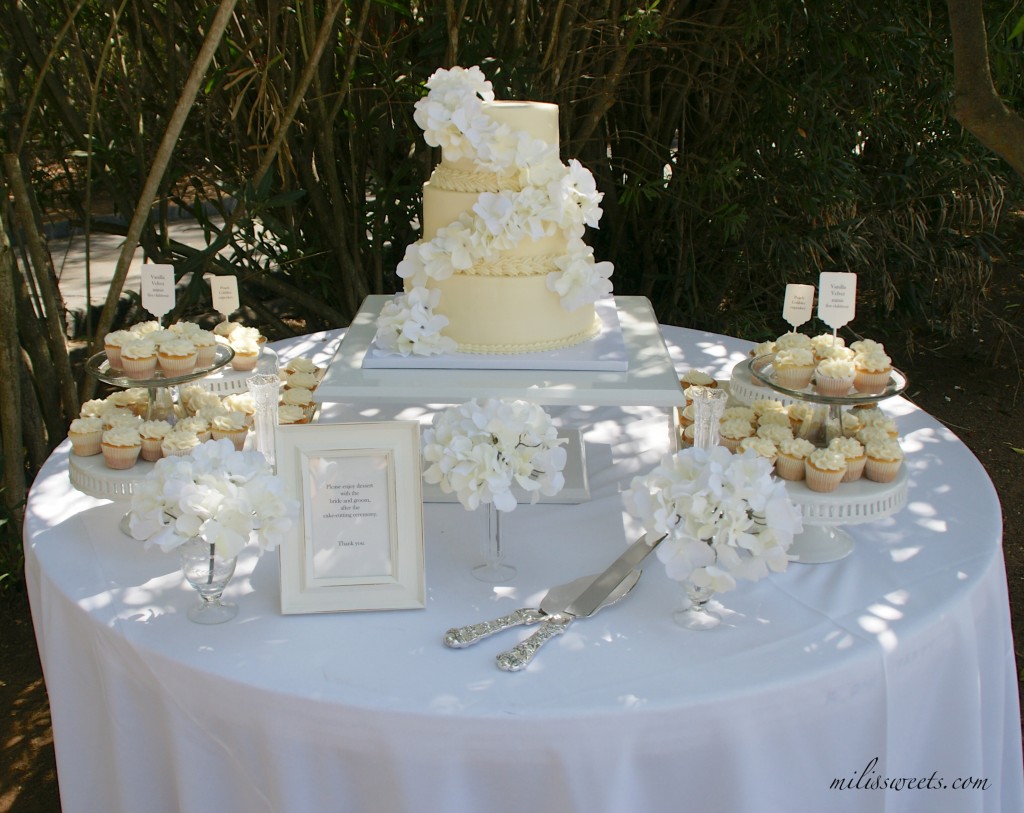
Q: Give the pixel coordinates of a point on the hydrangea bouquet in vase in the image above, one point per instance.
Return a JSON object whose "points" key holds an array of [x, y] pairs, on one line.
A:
{"points": [[480, 450]]}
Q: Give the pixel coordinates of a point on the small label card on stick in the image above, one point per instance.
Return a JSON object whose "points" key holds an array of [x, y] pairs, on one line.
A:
{"points": [[224, 291], [157, 288], [837, 298], [799, 304]]}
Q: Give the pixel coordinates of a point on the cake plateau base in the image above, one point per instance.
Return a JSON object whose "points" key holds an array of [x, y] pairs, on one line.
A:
{"points": [[650, 379], [823, 540]]}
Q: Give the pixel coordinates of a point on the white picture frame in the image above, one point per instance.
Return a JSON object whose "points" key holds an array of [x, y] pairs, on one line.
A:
{"points": [[358, 542]]}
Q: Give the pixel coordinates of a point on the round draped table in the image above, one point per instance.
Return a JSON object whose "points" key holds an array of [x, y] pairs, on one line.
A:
{"points": [[883, 682]]}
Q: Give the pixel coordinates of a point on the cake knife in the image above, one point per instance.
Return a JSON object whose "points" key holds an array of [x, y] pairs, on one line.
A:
{"points": [[554, 600], [585, 604]]}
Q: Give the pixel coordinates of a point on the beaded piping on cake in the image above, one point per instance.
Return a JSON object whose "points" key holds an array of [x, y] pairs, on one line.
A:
{"points": [[467, 180], [535, 347], [540, 265]]}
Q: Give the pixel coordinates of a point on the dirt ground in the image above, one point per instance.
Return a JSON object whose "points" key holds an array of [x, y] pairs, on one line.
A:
{"points": [[974, 386]]}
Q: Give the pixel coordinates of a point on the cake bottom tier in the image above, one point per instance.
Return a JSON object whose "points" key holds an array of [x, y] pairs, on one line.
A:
{"points": [[510, 315]]}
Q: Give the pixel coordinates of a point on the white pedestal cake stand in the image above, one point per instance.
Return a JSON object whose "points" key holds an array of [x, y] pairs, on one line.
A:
{"points": [[823, 540], [90, 475]]}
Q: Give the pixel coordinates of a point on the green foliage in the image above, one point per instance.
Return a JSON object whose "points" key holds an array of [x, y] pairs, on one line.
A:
{"points": [[740, 145]]}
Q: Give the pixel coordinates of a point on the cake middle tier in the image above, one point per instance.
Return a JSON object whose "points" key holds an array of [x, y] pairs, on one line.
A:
{"points": [[442, 207]]}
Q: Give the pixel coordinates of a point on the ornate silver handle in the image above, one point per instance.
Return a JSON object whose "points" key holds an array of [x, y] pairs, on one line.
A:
{"points": [[519, 657], [459, 637]]}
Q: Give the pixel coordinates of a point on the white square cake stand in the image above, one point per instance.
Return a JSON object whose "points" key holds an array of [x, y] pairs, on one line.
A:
{"points": [[649, 380]]}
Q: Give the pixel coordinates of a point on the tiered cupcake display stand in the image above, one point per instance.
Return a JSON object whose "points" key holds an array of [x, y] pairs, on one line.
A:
{"points": [[90, 474], [823, 539]]}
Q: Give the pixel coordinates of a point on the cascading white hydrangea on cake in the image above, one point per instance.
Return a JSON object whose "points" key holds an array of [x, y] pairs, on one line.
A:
{"points": [[540, 197]]}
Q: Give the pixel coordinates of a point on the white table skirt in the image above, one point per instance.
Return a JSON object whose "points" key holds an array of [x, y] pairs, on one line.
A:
{"points": [[894, 663]]}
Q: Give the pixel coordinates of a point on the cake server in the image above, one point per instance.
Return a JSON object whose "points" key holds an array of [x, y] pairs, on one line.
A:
{"points": [[592, 599], [554, 600]]}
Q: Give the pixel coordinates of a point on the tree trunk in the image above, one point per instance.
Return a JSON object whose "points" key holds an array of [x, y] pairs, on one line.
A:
{"points": [[976, 103], [14, 488]]}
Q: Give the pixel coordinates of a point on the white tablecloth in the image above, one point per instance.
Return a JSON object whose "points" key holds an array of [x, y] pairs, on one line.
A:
{"points": [[893, 664]]}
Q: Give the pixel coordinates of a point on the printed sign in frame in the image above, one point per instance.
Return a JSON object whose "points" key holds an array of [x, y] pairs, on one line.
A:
{"points": [[358, 542]]}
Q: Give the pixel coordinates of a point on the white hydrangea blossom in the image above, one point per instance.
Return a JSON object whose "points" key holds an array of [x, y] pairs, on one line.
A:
{"points": [[451, 112], [225, 496], [725, 516], [479, 449], [407, 325], [580, 280]]}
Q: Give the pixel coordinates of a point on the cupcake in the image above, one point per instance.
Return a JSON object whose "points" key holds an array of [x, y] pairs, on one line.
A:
{"points": [[794, 368], [872, 434], [179, 442], [94, 408], [738, 412], [834, 352], [884, 458], [824, 469], [291, 414], [247, 353], [684, 415], [225, 329], [775, 419], [731, 432], [789, 462], [112, 344], [697, 378], [879, 419], [685, 437], [177, 357], [184, 329], [153, 434], [867, 346], [121, 447], [800, 413], [204, 403], [241, 402], [792, 341], [834, 377], [121, 419], [230, 425], [143, 329], [138, 358], [853, 451], [196, 425], [762, 406], [302, 365], [872, 371], [762, 447], [135, 399], [762, 349], [307, 380], [85, 435], [825, 343], [774, 433], [206, 347], [298, 396]]}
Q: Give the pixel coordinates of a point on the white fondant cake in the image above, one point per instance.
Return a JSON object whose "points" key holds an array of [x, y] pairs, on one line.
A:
{"points": [[501, 266]]}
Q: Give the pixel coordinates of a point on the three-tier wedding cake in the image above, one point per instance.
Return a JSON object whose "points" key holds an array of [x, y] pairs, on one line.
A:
{"points": [[502, 266]]}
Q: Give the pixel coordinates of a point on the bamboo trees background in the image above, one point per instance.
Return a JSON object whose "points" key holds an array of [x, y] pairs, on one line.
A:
{"points": [[740, 146]]}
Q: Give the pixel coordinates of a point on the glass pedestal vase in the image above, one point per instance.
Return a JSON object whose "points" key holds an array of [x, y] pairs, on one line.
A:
{"points": [[493, 568], [209, 573], [694, 614]]}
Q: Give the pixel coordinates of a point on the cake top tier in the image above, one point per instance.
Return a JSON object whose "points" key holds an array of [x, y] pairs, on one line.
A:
{"points": [[535, 120]]}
